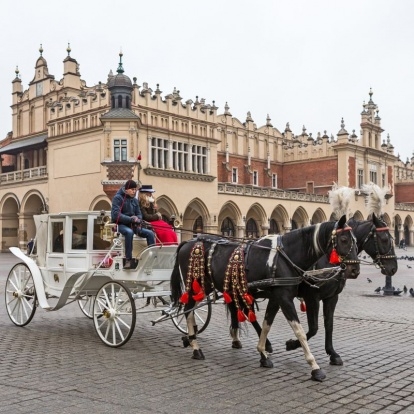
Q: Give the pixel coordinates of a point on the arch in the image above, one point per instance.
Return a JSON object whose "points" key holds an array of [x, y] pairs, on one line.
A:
{"points": [[99, 203], [10, 207], [387, 219], [281, 217], [195, 210], [397, 227], [256, 213], [230, 209], [358, 215], [166, 206], [300, 218], [407, 227], [318, 216]]}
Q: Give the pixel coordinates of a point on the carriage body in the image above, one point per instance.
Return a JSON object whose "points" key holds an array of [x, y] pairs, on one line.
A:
{"points": [[78, 257]]}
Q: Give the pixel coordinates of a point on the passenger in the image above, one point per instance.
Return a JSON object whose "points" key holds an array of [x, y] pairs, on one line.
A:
{"points": [[127, 215], [164, 232]]}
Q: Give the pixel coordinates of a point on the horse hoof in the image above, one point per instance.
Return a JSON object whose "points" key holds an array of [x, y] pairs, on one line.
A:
{"points": [[336, 360], [266, 362], [236, 345], [291, 345], [186, 341], [198, 354], [318, 375]]}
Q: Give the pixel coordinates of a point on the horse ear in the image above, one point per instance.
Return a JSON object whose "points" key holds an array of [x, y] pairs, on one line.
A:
{"points": [[342, 221]]}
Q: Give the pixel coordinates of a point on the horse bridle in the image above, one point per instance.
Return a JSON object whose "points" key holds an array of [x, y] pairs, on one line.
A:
{"points": [[343, 258], [378, 256]]}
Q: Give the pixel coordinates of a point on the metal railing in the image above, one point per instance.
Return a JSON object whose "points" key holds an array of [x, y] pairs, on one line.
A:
{"points": [[21, 175]]}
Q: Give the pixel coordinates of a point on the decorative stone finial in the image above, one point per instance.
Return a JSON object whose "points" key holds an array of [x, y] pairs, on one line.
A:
{"points": [[68, 49], [370, 95], [249, 117], [268, 123], [40, 49], [226, 109], [120, 67], [16, 71]]}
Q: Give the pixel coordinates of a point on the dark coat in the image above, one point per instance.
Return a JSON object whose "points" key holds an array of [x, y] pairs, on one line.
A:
{"points": [[149, 213], [124, 207]]}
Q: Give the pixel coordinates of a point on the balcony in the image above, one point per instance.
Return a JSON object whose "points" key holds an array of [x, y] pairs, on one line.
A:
{"points": [[24, 175]]}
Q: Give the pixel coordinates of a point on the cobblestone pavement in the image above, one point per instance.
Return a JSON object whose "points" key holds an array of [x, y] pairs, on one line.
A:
{"points": [[58, 364]]}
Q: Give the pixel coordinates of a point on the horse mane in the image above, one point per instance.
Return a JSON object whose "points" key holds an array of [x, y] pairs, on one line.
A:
{"points": [[375, 198], [339, 199]]}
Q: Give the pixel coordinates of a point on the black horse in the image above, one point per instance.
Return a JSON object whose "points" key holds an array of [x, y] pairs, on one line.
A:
{"points": [[272, 266], [374, 238]]}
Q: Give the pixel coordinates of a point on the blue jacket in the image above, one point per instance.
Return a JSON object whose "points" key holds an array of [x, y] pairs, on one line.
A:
{"points": [[124, 207]]}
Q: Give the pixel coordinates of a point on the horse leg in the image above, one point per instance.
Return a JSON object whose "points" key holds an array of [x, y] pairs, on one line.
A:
{"points": [[191, 339], [312, 313], [270, 314], [288, 309], [329, 306]]}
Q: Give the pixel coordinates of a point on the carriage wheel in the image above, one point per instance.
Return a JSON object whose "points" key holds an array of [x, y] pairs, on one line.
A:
{"points": [[202, 316], [20, 295], [114, 314], [86, 305]]}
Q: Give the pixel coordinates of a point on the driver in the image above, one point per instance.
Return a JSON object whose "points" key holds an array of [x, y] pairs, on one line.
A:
{"points": [[127, 215]]}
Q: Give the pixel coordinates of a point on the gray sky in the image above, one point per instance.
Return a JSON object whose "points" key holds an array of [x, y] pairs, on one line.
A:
{"points": [[306, 62]]}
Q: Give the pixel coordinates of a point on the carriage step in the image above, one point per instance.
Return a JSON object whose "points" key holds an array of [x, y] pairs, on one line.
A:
{"points": [[129, 264]]}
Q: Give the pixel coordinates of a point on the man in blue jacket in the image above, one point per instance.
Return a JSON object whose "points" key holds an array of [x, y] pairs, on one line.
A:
{"points": [[127, 215]]}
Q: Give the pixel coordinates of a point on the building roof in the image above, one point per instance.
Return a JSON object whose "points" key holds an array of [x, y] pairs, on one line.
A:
{"points": [[17, 145], [120, 113]]}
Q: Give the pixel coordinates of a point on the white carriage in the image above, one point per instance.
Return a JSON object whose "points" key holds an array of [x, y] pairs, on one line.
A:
{"points": [[77, 256]]}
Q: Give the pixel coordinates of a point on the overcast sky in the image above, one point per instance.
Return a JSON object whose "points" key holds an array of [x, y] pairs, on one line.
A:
{"points": [[306, 62]]}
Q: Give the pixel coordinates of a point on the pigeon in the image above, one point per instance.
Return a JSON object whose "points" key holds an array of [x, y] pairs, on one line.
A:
{"points": [[405, 289], [378, 289], [411, 292], [409, 266], [397, 292], [369, 280]]}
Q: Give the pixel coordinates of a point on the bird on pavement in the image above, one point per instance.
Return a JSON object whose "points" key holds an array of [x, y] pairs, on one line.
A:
{"points": [[411, 292], [378, 289], [369, 280], [405, 289], [409, 266]]}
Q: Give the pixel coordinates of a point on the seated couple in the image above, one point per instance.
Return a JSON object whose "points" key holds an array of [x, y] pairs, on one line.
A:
{"points": [[126, 213]]}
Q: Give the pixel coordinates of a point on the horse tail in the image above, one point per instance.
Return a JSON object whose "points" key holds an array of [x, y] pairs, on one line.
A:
{"points": [[176, 281]]}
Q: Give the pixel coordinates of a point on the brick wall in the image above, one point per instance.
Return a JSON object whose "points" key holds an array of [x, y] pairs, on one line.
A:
{"points": [[352, 172], [404, 193]]}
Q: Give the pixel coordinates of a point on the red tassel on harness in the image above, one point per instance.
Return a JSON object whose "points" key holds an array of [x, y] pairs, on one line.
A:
{"points": [[302, 306], [251, 316], [184, 298], [241, 317], [248, 298], [199, 297], [334, 258], [227, 298], [196, 286]]}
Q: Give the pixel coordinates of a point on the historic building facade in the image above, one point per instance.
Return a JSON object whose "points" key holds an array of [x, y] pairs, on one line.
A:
{"points": [[72, 146]]}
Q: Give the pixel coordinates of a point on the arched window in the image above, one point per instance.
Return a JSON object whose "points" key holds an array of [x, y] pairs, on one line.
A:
{"points": [[127, 102], [119, 101], [113, 102], [274, 228], [251, 229], [294, 225], [198, 225], [227, 227]]}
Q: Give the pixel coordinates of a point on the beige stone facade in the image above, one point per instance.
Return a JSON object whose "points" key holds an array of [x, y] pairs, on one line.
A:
{"points": [[73, 145]]}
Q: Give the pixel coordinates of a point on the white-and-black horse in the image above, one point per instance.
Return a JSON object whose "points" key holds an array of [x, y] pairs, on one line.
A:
{"points": [[374, 238], [273, 265]]}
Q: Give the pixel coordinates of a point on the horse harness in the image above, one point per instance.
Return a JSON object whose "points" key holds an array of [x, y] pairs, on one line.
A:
{"points": [[378, 256]]}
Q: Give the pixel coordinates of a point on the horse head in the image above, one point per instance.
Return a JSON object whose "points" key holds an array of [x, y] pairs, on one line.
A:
{"points": [[344, 249], [378, 243]]}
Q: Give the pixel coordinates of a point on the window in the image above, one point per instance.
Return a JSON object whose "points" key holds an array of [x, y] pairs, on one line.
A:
{"points": [[373, 173], [273, 227], [79, 234], [178, 156], [120, 149], [255, 178], [227, 228], [274, 180], [234, 176], [57, 237], [251, 229], [360, 174], [198, 226], [383, 180]]}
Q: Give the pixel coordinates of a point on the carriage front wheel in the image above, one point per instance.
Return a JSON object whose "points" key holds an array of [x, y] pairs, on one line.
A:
{"points": [[114, 314], [202, 315], [20, 295]]}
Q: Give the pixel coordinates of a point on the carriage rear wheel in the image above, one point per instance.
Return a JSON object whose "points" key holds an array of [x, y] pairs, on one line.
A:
{"points": [[20, 295], [114, 314], [202, 317]]}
